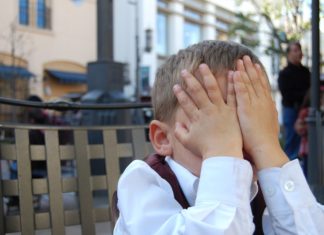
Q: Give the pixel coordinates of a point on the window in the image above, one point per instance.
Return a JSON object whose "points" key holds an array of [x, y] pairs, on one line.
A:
{"points": [[195, 3], [78, 2], [192, 33], [192, 27], [35, 13], [192, 14], [222, 25], [162, 3], [23, 12], [162, 35], [41, 14]]}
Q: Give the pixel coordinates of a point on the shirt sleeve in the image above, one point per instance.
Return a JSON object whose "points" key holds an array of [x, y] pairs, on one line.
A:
{"points": [[291, 206], [222, 206]]}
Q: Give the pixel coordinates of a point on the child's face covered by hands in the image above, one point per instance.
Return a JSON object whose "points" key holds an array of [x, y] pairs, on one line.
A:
{"points": [[211, 126]]}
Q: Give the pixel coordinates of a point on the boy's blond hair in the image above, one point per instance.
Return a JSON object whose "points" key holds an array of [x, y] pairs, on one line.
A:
{"points": [[220, 56]]}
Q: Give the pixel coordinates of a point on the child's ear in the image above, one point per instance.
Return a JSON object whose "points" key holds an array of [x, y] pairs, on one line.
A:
{"points": [[159, 138]]}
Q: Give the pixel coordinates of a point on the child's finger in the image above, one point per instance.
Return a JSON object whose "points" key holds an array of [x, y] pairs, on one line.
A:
{"points": [[198, 75], [241, 91], [211, 84], [240, 67], [185, 102], [253, 75], [264, 80], [231, 99], [180, 133], [195, 90]]}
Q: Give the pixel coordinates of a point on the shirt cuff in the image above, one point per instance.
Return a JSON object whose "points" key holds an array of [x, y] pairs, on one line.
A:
{"points": [[285, 188], [225, 180]]}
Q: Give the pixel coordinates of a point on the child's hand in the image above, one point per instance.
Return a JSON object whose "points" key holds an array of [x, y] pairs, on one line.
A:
{"points": [[212, 128], [257, 115]]}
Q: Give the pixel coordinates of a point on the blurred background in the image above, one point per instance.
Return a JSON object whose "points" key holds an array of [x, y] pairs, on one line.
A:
{"points": [[106, 52], [101, 51]]}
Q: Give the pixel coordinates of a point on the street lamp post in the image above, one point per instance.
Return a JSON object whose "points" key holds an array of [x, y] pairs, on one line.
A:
{"points": [[315, 161], [105, 31]]}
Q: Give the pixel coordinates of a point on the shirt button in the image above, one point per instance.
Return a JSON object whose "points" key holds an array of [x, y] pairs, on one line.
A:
{"points": [[289, 186]]}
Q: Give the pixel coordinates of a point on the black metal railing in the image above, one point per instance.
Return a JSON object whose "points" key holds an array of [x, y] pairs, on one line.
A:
{"points": [[63, 105]]}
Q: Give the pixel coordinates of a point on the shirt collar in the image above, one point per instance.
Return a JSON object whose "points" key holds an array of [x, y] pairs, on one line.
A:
{"points": [[189, 182]]}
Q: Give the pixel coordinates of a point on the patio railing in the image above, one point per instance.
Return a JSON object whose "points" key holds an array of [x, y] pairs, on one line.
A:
{"points": [[114, 148]]}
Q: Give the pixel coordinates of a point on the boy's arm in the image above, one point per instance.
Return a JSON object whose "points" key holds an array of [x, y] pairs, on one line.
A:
{"points": [[292, 208], [147, 205], [291, 205]]}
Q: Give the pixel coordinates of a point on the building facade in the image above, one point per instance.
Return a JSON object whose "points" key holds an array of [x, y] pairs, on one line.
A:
{"points": [[52, 40], [163, 28]]}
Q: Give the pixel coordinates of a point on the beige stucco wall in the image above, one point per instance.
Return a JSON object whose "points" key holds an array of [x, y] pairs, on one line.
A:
{"points": [[71, 38]]}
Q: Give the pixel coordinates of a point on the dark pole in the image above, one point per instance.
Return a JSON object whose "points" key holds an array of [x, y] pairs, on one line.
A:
{"points": [[105, 74], [315, 163], [105, 30], [315, 56]]}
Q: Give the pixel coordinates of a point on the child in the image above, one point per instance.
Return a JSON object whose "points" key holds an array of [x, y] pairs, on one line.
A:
{"points": [[301, 129], [210, 102]]}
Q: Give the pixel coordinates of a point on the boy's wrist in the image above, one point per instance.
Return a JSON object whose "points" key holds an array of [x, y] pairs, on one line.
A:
{"points": [[221, 152], [268, 156]]}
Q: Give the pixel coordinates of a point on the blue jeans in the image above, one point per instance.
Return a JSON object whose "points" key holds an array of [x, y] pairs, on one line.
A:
{"points": [[292, 139]]}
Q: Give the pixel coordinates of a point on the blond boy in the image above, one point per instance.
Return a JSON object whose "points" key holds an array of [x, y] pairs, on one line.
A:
{"points": [[212, 101]]}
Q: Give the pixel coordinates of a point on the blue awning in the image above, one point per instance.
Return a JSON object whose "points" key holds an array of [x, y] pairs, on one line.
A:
{"points": [[68, 77], [9, 72]]}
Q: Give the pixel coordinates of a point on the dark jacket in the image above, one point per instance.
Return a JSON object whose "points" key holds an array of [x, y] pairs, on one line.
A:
{"points": [[293, 81]]}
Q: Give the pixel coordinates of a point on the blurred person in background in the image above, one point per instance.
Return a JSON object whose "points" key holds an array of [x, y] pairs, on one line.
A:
{"points": [[302, 130], [293, 81]]}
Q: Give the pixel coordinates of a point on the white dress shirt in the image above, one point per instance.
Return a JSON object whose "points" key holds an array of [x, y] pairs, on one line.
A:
{"points": [[219, 200]]}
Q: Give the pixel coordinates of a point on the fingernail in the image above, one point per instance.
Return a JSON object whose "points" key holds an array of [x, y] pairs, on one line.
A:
{"points": [[247, 57], [203, 66], [230, 73], [184, 72], [176, 88]]}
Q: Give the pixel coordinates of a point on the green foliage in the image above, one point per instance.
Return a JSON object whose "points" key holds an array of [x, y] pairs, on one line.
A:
{"points": [[246, 29], [285, 20]]}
